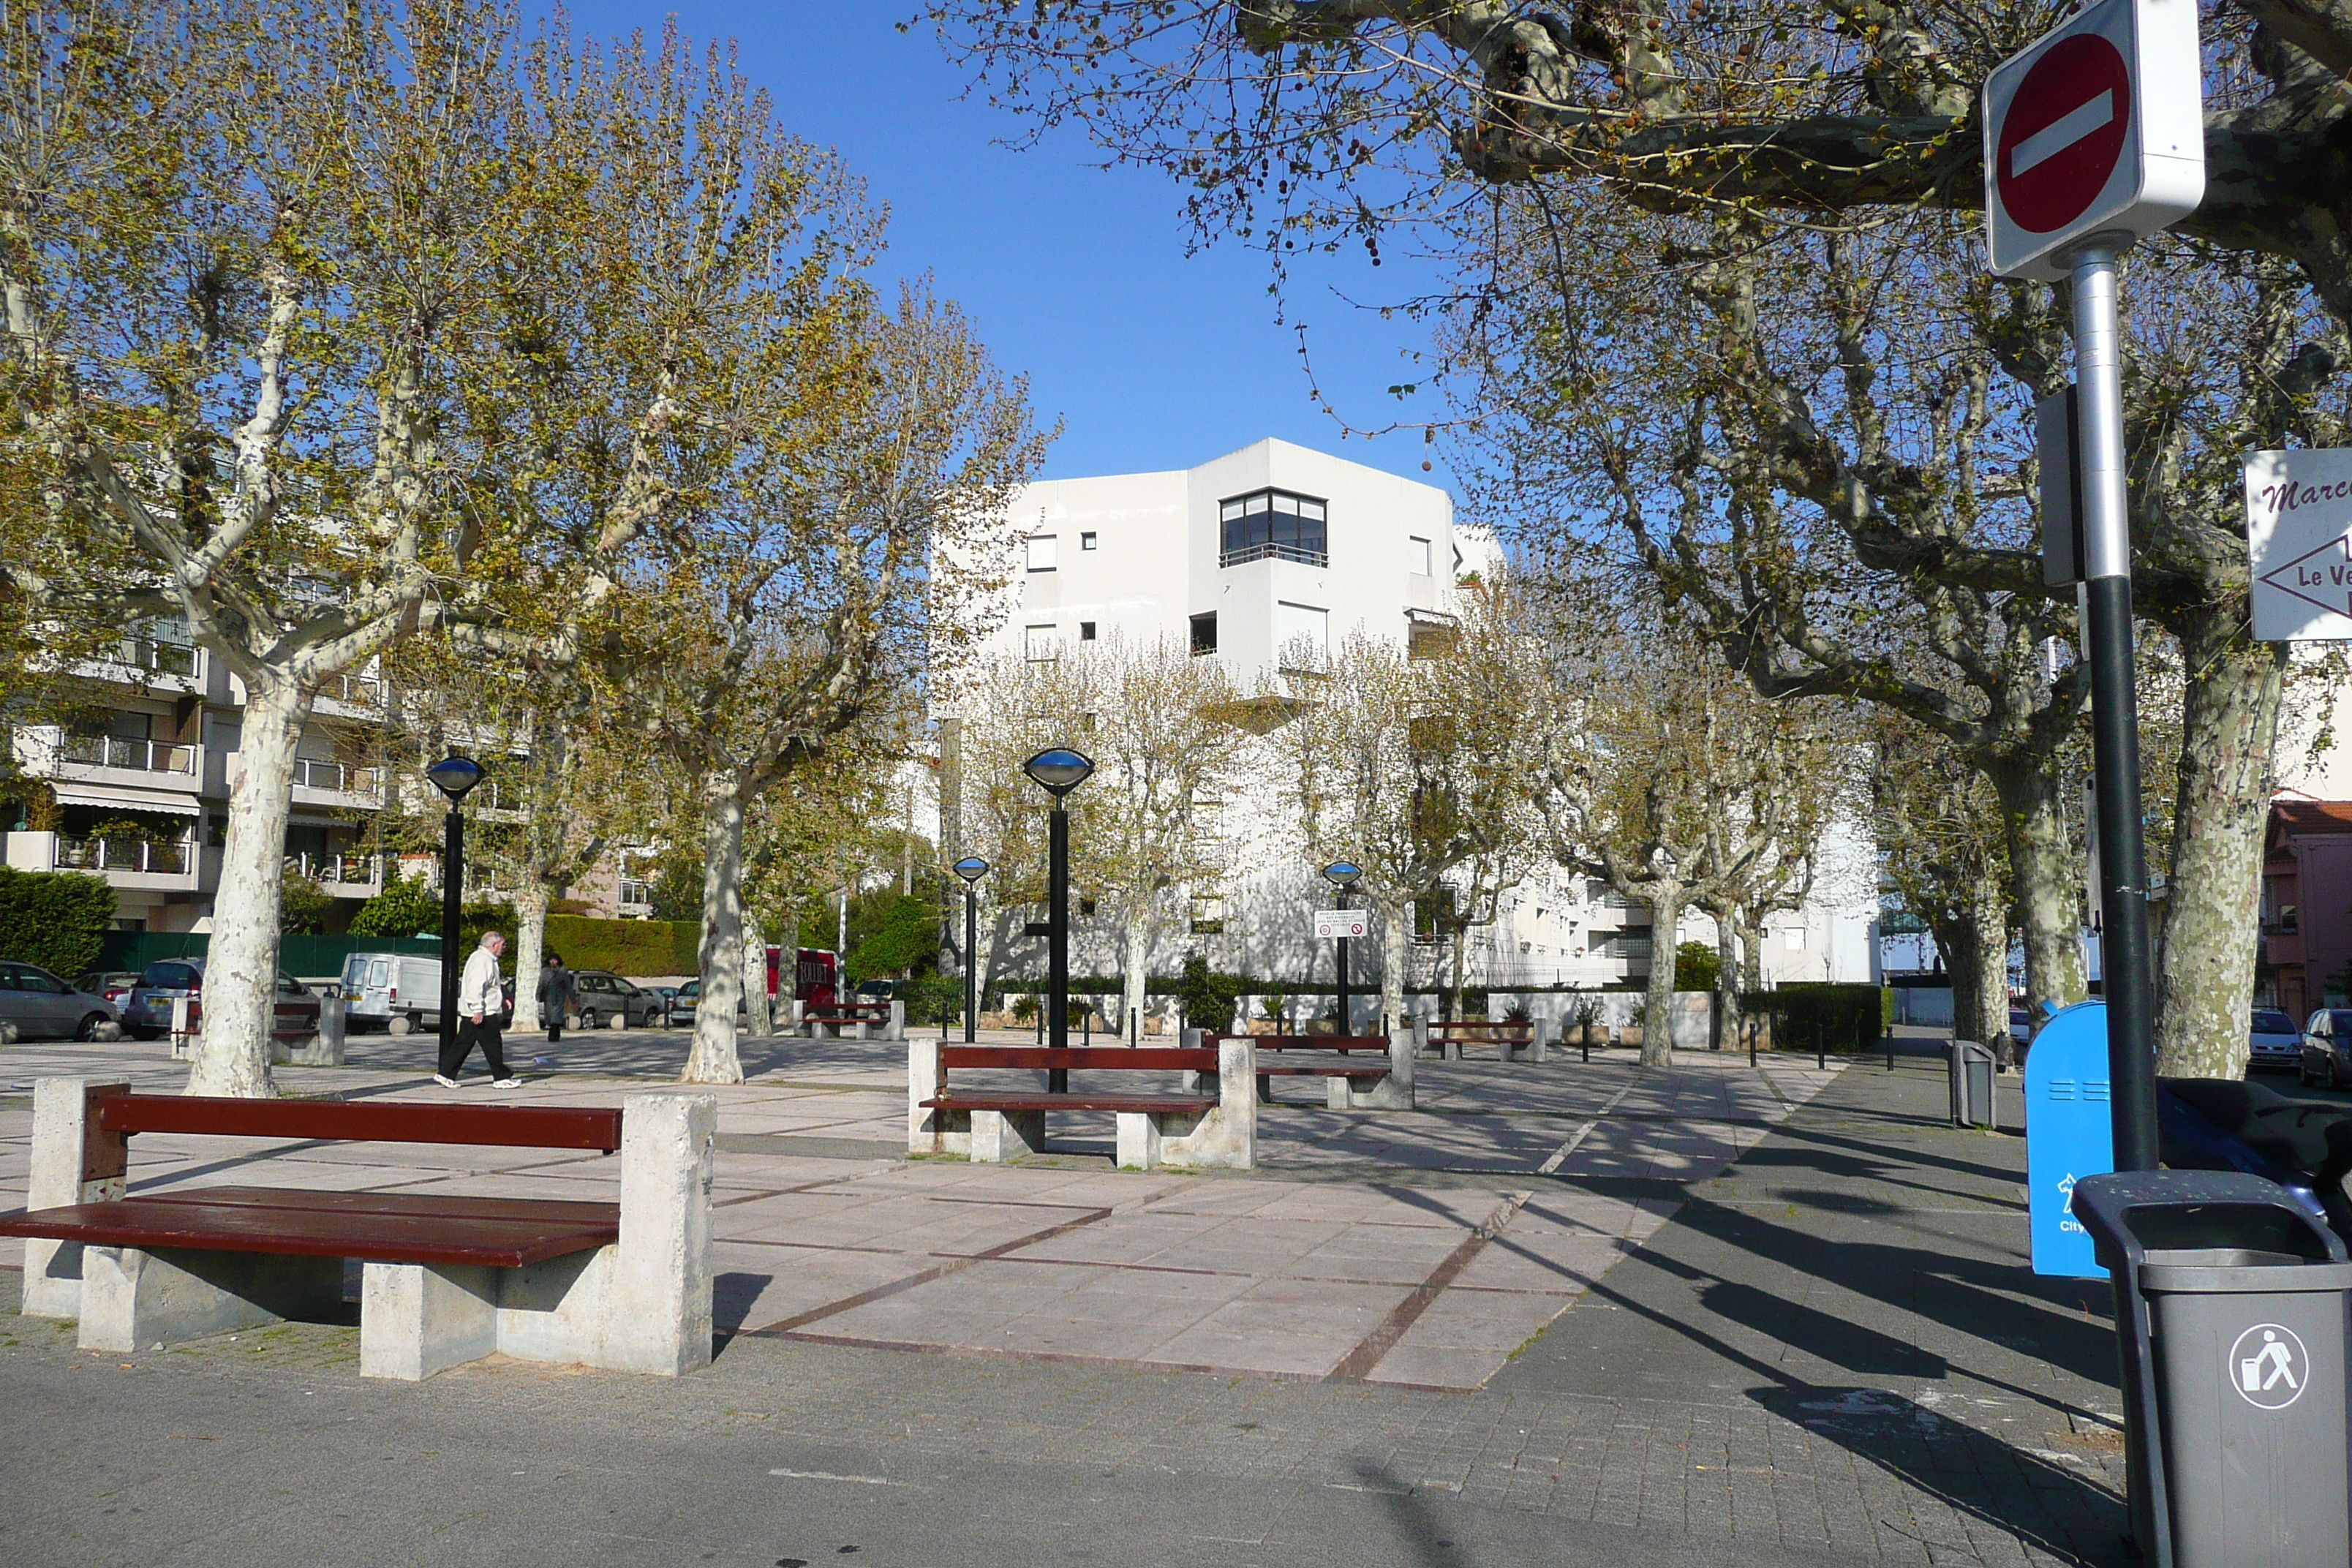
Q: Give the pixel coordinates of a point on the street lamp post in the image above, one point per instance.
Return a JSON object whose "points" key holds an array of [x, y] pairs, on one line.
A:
{"points": [[971, 868], [453, 776], [1057, 771], [1343, 875]]}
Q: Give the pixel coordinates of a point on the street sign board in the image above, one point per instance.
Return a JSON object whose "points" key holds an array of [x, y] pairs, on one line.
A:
{"points": [[2299, 539], [2069, 1134], [2096, 127], [2061, 498], [1329, 924]]}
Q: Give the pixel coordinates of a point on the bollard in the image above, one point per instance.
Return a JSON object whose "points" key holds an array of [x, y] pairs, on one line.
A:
{"points": [[1041, 1020], [1135, 1026], [1748, 1026], [1820, 1051], [1090, 1024]]}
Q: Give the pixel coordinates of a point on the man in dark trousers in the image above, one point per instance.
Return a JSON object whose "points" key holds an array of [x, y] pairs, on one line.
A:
{"points": [[481, 1005], [556, 987]]}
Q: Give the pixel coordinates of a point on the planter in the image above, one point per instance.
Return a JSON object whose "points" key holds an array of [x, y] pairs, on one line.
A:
{"points": [[1631, 1034]]}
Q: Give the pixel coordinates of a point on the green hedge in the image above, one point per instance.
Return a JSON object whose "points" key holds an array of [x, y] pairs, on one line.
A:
{"points": [[625, 947], [55, 918], [1844, 1017]]}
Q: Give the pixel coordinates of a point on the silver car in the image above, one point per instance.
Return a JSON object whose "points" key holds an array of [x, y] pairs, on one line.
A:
{"points": [[2273, 1042], [44, 1007]]}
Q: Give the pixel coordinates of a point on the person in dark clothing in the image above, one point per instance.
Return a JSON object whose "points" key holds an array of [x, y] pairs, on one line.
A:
{"points": [[556, 988]]}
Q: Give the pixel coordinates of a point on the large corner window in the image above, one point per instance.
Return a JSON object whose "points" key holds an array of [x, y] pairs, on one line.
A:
{"points": [[1273, 525]]}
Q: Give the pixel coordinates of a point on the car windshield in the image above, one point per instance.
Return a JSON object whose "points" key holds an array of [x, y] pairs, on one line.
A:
{"points": [[2339, 1020], [2267, 1022], [169, 976]]}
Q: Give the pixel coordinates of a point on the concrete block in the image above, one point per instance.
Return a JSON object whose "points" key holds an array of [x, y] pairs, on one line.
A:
{"points": [[898, 1026], [417, 1319], [1420, 1036], [1540, 1051], [1226, 1138], [1139, 1141], [1001, 1135], [662, 1280], [558, 1310], [74, 1162], [134, 1300], [930, 1131]]}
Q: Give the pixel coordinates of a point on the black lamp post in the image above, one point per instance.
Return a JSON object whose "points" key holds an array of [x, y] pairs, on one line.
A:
{"points": [[971, 868], [453, 776], [1058, 770], [1343, 875]]}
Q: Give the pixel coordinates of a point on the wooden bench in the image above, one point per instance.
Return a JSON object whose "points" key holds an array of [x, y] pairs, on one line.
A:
{"points": [[1208, 1119], [889, 1018], [1360, 1072], [1522, 1040], [444, 1279]]}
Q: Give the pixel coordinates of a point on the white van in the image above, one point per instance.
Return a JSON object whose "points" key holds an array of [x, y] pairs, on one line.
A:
{"points": [[396, 991]]}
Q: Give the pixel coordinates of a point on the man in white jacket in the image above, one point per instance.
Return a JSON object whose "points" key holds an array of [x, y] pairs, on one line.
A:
{"points": [[481, 1003]]}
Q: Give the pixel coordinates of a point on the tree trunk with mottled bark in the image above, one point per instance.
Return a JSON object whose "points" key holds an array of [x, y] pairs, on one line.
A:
{"points": [[759, 1017], [232, 1054], [2044, 878], [1666, 903], [530, 902], [1396, 927], [1136, 957], [2205, 973], [720, 962]]}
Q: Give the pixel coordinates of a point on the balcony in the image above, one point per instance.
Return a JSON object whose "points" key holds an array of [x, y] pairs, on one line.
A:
{"points": [[350, 697], [345, 876], [637, 898], [319, 782], [170, 866]]}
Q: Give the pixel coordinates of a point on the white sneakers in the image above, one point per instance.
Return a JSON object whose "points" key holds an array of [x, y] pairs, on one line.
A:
{"points": [[445, 1080], [508, 1083]]}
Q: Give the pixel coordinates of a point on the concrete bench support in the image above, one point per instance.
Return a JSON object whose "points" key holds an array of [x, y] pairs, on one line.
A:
{"points": [[1226, 1137], [1001, 1135], [1393, 1092], [417, 1319], [73, 1163], [134, 1301], [930, 1131]]}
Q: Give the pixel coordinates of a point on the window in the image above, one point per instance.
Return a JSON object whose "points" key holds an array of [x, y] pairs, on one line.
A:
{"points": [[1795, 938], [1204, 633], [1041, 552], [1273, 525], [1044, 646], [1086, 631], [1417, 557], [1087, 540], [1426, 639], [1299, 632]]}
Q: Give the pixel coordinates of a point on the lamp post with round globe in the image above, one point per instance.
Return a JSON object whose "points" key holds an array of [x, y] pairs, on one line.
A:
{"points": [[453, 776], [971, 868], [1057, 771], [1343, 875]]}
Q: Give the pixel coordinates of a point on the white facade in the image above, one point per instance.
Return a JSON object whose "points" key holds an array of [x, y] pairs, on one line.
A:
{"points": [[1145, 556]]}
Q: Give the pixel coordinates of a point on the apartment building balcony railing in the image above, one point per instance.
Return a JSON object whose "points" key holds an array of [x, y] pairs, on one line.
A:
{"points": [[636, 894], [1266, 551], [340, 778], [156, 657], [143, 857], [1623, 947], [360, 874], [353, 691], [132, 755]]}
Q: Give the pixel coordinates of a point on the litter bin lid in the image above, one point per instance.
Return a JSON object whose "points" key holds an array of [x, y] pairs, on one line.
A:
{"points": [[2237, 1270]]}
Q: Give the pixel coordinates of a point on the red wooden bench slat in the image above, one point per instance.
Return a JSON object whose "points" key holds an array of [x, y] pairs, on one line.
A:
{"points": [[1483, 1028], [1333, 1070], [451, 1235], [1340, 1043], [1152, 1103], [375, 1121], [428, 1205], [1139, 1057]]}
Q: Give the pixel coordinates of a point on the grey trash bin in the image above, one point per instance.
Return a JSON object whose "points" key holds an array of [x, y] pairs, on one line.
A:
{"points": [[2231, 1304], [1972, 1081]]}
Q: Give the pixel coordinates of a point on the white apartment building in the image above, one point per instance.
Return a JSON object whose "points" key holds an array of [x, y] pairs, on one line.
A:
{"points": [[134, 787], [1245, 555]]}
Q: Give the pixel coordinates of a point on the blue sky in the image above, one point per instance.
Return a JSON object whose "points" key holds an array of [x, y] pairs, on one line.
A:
{"points": [[1076, 276]]}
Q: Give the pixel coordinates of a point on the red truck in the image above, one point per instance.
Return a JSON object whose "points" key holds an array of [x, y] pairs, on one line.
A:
{"points": [[816, 975]]}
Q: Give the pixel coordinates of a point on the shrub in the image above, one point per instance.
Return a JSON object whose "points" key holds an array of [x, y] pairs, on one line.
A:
{"points": [[1024, 1009], [55, 918], [1844, 1017], [407, 907], [625, 947], [1696, 966], [1207, 996], [934, 998]]}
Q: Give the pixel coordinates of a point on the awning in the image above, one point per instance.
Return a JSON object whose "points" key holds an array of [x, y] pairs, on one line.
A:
{"points": [[121, 797]]}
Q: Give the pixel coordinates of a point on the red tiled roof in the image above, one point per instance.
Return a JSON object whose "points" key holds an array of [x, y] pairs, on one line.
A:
{"points": [[2312, 815]]}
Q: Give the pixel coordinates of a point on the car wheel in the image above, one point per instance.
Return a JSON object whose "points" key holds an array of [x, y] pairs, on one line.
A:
{"points": [[587, 1017], [146, 1034], [88, 1029]]}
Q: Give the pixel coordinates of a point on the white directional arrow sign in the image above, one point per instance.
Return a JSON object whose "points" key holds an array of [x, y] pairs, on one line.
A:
{"points": [[2299, 541]]}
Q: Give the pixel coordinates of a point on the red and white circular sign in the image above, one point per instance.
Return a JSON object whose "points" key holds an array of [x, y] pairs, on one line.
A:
{"points": [[2064, 131]]}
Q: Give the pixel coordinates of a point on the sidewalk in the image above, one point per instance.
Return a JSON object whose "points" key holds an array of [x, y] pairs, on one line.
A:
{"points": [[1827, 1352]]}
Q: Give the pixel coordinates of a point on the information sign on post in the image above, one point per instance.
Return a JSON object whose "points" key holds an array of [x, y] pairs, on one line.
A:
{"points": [[2299, 539], [1341, 925]]}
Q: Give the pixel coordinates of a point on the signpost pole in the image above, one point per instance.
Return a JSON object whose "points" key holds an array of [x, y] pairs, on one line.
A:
{"points": [[1344, 1030], [2108, 639]]}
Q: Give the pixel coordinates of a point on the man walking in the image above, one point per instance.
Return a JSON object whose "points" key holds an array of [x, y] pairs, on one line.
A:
{"points": [[555, 989], [480, 1001]]}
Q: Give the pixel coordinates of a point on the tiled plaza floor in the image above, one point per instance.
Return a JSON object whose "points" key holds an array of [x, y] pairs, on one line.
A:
{"points": [[1421, 1249]]}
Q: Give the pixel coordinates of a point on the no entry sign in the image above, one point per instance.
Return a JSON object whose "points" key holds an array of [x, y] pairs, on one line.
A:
{"points": [[2097, 128]]}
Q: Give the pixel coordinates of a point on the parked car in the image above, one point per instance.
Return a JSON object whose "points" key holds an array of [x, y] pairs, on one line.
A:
{"points": [[2328, 1048], [148, 1013], [881, 990], [114, 984], [44, 1007], [604, 998], [2274, 1041], [682, 1005]]}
